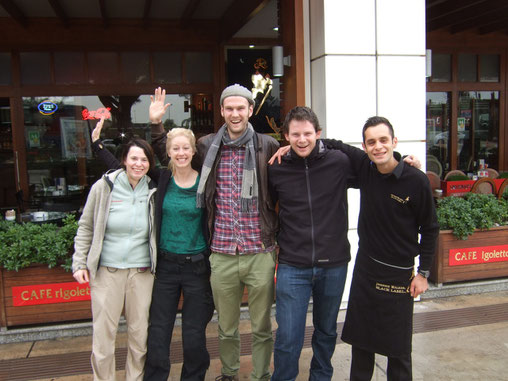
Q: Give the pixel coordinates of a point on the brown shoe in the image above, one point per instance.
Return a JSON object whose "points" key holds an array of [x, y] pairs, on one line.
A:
{"points": [[224, 377]]}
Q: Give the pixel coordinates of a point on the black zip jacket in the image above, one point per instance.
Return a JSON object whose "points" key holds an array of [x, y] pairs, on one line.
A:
{"points": [[313, 214]]}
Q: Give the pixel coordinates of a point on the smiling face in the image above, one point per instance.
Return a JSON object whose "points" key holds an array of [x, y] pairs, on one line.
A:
{"points": [[302, 137], [136, 165], [181, 151], [379, 145], [236, 112]]}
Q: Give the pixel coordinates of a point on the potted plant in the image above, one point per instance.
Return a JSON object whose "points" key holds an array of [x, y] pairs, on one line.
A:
{"points": [[35, 283], [473, 241], [22, 245]]}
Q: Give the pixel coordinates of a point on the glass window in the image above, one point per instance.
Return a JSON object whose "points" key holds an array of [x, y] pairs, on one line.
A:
{"points": [[60, 164], [441, 67], [69, 68], [35, 68], [467, 68], [167, 67], [438, 130], [7, 171], [489, 68], [5, 69], [198, 67], [478, 129], [135, 67], [102, 67]]}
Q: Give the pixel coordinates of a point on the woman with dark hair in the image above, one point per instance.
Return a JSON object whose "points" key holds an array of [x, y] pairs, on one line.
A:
{"points": [[183, 266], [115, 250]]}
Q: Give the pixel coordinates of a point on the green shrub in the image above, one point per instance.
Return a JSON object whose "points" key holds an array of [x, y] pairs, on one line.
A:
{"points": [[473, 211], [24, 244]]}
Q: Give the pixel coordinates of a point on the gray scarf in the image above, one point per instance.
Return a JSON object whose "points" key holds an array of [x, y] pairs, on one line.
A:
{"points": [[249, 193]]}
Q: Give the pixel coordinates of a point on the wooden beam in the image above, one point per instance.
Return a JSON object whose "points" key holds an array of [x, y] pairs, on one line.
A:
{"points": [[483, 19], [237, 16], [15, 12], [291, 22], [189, 10], [104, 14], [499, 25], [84, 33], [464, 14], [59, 12], [441, 8], [146, 13]]}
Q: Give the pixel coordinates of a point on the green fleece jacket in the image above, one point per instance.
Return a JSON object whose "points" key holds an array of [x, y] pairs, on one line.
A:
{"points": [[92, 226]]}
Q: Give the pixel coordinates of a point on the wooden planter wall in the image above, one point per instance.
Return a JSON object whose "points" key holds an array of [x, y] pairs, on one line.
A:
{"points": [[443, 272], [11, 315]]}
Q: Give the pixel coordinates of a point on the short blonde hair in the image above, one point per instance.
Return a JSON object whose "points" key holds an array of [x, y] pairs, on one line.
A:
{"points": [[175, 132]]}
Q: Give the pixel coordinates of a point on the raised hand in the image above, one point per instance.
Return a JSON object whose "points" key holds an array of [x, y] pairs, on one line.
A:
{"points": [[96, 133], [157, 107]]}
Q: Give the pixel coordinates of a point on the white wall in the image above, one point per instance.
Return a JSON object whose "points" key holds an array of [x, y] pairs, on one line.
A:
{"points": [[367, 57]]}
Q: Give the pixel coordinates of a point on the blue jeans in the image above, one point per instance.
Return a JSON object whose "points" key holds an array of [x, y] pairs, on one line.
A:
{"points": [[293, 290]]}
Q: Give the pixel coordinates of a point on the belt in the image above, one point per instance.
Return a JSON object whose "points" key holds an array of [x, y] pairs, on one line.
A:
{"points": [[181, 258]]}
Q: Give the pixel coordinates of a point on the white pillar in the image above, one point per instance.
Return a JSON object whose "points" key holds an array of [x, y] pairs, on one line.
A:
{"points": [[367, 57]]}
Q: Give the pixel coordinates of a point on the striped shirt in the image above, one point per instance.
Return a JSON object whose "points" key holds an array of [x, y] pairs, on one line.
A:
{"points": [[234, 230]]}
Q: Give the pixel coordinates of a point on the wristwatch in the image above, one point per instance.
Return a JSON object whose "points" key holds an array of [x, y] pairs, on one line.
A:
{"points": [[424, 273]]}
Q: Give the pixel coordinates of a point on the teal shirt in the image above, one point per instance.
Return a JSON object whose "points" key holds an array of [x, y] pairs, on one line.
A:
{"points": [[182, 222], [125, 242]]}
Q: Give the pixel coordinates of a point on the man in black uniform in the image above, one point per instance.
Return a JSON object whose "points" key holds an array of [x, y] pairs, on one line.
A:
{"points": [[396, 206]]}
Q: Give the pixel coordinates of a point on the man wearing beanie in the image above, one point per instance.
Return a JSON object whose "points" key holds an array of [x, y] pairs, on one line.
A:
{"points": [[242, 222]]}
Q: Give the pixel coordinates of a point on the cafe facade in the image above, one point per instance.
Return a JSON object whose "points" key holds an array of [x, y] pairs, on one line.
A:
{"points": [[436, 69], [438, 73]]}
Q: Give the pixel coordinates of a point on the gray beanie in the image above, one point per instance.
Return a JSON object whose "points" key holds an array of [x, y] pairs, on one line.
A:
{"points": [[236, 90]]}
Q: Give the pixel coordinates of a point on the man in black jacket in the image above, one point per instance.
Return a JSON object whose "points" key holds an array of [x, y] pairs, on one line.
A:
{"points": [[310, 184]]}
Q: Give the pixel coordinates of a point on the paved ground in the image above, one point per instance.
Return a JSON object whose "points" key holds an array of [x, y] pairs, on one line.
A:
{"points": [[456, 338]]}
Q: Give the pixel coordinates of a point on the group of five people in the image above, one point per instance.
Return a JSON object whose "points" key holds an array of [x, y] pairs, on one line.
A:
{"points": [[212, 228]]}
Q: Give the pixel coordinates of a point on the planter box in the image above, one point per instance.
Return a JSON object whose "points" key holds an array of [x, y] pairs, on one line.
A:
{"points": [[483, 255], [38, 294], [460, 188]]}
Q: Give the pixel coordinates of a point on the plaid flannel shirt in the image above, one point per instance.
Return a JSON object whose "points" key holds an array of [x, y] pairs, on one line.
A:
{"points": [[234, 230]]}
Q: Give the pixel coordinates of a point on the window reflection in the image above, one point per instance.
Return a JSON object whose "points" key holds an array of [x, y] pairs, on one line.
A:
{"points": [[489, 68], [5, 68], [60, 164], [478, 129], [441, 67], [438, 127], [467, 68], [35, 68]]}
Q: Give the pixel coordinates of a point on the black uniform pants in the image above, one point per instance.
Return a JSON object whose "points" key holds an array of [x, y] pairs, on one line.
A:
{"points": [[362, 366], [177, 274]]}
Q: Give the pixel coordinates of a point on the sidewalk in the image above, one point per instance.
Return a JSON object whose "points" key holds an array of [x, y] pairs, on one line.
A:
{"points": [[461, 337]]}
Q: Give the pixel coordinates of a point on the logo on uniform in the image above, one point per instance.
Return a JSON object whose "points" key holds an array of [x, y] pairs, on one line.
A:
{"points": [[400, 199]]}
